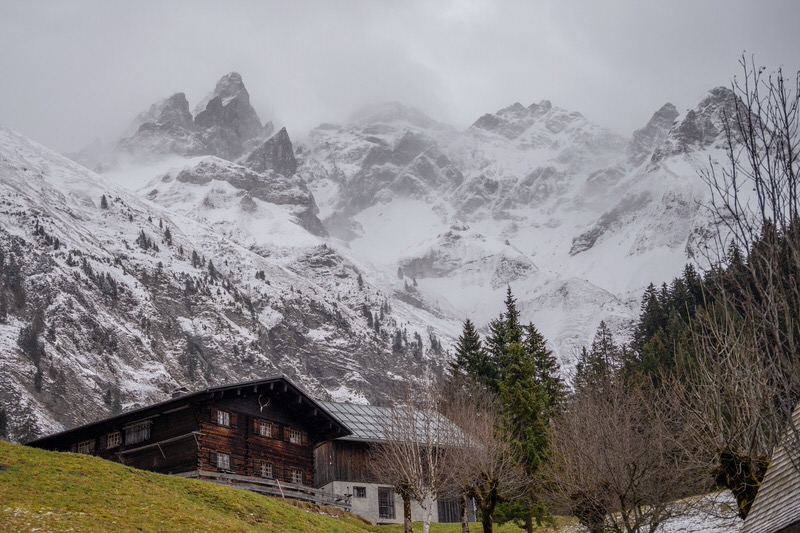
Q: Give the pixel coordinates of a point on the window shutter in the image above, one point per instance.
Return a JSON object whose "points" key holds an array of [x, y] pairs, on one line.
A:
{"points": [[233, 420], [214, 415], [212, 458]]}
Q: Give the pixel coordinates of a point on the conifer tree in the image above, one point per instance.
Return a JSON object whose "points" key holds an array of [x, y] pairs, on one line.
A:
{"points": [[103, 202], [471, 359]]}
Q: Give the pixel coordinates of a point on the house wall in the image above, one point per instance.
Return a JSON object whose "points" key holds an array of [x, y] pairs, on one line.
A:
{"points": [[246, 448], [367, 508], [177, 455], [342, 460]]}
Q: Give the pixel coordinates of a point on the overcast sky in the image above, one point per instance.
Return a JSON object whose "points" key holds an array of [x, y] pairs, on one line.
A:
{"points": [[75, 70]]}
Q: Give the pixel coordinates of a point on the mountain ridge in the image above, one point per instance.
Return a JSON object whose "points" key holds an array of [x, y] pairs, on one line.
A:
{"points": [[346, 261]]}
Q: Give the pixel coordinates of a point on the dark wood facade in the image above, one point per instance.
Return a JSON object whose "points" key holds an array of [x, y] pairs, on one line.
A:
{"points": [[343, 460], [267, 428]]}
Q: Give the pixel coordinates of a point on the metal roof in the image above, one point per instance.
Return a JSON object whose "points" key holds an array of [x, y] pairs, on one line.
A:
{"points": [[370, 423], [777, 504], [367, 422]]}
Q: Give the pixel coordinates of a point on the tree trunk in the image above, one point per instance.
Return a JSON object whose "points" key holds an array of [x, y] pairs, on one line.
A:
{"points": [[529, 524], [488, 523], [487, 512], [407, 524], [464, 513]]}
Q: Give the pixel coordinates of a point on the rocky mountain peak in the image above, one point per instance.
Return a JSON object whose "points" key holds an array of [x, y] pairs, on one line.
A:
{"points": [[228, 86], [276, 154], [645, 140], [702, 127], [173, 109], [166, 127], [227, 120]]}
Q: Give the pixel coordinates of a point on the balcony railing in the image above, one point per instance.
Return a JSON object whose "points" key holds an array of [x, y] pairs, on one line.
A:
{"points": [[273, 487]]}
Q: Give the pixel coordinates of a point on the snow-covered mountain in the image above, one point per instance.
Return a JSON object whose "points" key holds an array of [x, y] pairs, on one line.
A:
{"points": [[213, 250]]}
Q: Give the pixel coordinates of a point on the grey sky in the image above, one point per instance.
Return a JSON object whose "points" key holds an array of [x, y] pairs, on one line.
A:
{"points": [[74, 70]]}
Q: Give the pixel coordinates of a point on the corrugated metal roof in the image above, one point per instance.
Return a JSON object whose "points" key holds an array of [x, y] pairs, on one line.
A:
{"points": [[370, 423], [367, 422], [777, 504]]}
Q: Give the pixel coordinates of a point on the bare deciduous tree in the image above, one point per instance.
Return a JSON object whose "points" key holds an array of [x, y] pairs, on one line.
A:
{"points": [[485, 464], [416, 456], [613, 462], [745, 379]]}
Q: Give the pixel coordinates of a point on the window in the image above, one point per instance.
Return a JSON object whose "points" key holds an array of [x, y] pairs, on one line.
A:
{"points": [[386, 503], [296, 476], [295, 436], [266, 469], [137, 432], [223, 418], [113, 439], [449, 511], [223, 461], [264, 429], [359, 492], [86, 446]]}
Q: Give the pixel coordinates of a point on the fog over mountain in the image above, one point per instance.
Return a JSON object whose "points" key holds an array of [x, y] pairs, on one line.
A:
{"points": [[194, 194], [78, 70], [208, 248]]}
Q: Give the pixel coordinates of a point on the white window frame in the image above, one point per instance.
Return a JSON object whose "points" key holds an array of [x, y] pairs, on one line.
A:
{"points": [[359, 492], [265, 429], [294, 436], [85, 446], [266, 470], [296, 476], [113, 439], [223, 418], [223, 461]]}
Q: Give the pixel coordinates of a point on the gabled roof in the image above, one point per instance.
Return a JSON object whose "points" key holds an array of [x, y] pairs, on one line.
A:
{"points": [[777, 504], [329, 429]]}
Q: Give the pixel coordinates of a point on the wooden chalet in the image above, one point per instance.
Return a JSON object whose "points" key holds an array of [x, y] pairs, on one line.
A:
{"points": [[260, 434], [776, 508], [342, 467]]}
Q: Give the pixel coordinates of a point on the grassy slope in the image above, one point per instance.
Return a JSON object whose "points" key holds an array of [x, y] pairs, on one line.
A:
{"points": [[59, 491], [49, 491]]}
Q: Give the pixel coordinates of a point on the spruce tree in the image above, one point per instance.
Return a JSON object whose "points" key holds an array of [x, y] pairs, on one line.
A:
{"points": [[530, 393], [471, 359]]}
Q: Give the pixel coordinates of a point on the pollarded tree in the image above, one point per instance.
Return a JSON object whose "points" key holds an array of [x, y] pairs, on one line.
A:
{"points": [[612, 461], [487, 467], [416, 455]]}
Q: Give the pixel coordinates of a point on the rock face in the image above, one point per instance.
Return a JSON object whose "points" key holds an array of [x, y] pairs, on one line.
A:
{"points": [[128, 300], [275, 154], [430, 225], [224, 125], [645, 140], [228, 122], [166, 128]]}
